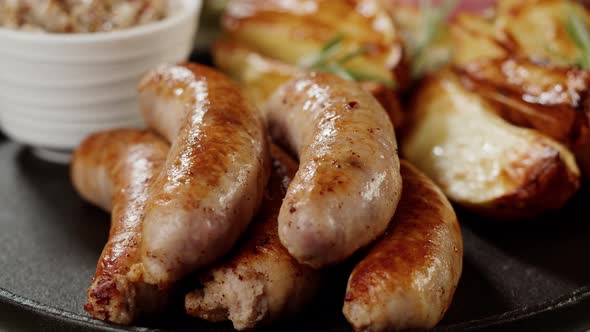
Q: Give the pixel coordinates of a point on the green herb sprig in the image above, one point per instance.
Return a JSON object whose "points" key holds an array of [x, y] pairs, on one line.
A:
{"points": [[324, 61], [578, 32], [433, 18]]}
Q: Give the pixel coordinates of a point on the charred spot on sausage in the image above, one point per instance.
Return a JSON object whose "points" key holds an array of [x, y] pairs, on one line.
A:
{"points": [[351, 105]]}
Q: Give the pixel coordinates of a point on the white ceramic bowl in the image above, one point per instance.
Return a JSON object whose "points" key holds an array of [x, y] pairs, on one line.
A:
{"points": [[56, 89]]}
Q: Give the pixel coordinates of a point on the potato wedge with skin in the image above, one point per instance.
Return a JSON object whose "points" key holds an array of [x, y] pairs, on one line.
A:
{"points": [[522, 61], [549, 99], [537, 28], [261, 76], [295, 32], [409, 20], [534, 29], [473, 38], [481, 161]]}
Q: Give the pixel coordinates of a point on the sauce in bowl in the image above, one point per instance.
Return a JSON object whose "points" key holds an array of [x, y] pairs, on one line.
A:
{"points": [[80, 16]]}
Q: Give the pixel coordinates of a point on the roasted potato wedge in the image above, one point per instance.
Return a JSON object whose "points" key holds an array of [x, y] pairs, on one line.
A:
{"points": [[537, 28], [481, 161], [296, 33], [268, 41], [549, 99], [473, 38], [260, 76], [522, 60], [409, 21], [423, 57]]}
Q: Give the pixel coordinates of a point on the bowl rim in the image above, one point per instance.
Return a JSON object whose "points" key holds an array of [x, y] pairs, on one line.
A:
{"points": [[187, 9]]}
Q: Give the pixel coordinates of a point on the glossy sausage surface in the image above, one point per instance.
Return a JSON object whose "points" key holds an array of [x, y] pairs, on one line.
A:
{"points": [[259, 281], [113, 169], [214, 176], [348, 183], [408, 278]]}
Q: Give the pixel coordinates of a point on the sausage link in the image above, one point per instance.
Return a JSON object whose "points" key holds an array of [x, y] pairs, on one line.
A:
{"points": [[113, 169], [215, 173], [408, 278], [259, 282], [348, 183]]}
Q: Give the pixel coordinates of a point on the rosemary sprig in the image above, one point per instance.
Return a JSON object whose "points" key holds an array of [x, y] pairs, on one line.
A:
{"points": [[362, 76], [325, 61], [328, 50], [356, 53], [333, 43], [579, 34], [433, 17]]}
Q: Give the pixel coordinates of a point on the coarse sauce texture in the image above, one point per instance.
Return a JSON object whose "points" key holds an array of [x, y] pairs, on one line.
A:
{"points": [[215, 174], [258, 282], [348, 183], [113, 170], [408, 278], [80, 16]]}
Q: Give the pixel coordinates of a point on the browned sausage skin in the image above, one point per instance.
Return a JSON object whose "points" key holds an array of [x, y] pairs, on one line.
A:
{"points": [[114, 169], [408, 278], [215, 173], [348, 183], [259, 282]]}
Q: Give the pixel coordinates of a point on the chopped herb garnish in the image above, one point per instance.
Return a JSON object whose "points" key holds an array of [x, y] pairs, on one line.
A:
{"points": [[362, 76], [433, 17], [578, 31], [325, 61], [332, 43]]}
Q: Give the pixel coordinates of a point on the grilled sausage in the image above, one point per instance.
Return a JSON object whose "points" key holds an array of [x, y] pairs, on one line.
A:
{"points": [[215, 173], [259, 282], [348, 183], [113, 170], [408, 278]]}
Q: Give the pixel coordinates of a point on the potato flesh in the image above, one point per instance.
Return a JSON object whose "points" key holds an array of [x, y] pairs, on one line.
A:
{"points": [[539, 28], [534, 28], [475, 156], [410, 22], [260, 76], [473, 39]]}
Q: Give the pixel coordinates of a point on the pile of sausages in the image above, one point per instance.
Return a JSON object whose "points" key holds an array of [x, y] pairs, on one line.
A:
{"points": [[206, 191]]}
